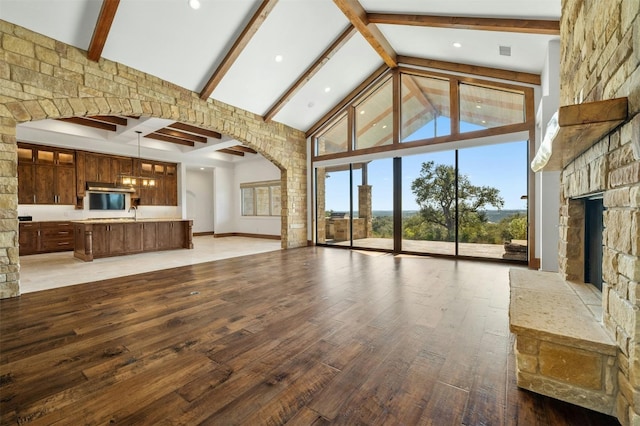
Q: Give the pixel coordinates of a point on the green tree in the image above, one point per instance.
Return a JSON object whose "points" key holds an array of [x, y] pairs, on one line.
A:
{"points": [[435, 192]]}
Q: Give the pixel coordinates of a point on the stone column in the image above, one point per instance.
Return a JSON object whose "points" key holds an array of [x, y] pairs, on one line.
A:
{"points": [[365, 211]]}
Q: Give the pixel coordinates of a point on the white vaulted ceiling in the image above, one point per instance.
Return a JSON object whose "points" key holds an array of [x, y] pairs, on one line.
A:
{"points": [[170, 40]]}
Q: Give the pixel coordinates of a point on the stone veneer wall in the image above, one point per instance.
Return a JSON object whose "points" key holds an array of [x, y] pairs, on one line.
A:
{"points": [[600, 59], [42, 78]]}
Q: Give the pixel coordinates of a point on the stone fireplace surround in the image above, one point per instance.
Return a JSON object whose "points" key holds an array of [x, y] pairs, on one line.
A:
{"points": [[573, 343], [599, 61]]}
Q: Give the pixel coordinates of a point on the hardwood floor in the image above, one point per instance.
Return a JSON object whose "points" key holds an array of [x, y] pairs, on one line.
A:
{"points": [[305, 336]]}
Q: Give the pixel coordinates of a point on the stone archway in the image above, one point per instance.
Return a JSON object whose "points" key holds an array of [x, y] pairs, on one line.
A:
{"points": [[43, 78]]}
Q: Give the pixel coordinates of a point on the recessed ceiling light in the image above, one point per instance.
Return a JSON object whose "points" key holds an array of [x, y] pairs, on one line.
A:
{"points": [[479, 106], [384, 127], [279, 58], [194, 4], [456, 44], [201, 168], [484, 121], [361, 112], [327, 89]]}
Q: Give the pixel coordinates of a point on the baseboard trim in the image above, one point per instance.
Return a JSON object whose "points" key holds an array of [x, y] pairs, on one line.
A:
{"points": [[200, 234], [243, 234]]}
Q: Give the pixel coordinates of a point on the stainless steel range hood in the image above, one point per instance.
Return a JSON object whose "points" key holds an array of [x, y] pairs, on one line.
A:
{"points": [[108, 187]]}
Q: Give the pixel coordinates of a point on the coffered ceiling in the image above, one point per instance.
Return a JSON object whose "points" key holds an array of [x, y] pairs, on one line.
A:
{"points": [[290, 61]]}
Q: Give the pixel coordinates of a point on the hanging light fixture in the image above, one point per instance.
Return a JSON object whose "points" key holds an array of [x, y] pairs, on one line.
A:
{"points": [[138, 181]]}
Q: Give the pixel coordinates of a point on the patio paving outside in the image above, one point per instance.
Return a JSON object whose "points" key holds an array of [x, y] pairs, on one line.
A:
{"points": [[491, 251]]}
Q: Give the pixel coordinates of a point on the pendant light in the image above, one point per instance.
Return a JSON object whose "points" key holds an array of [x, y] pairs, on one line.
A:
{"points": [[139, 180]]}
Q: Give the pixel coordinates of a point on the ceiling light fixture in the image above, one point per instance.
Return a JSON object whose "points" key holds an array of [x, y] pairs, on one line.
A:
{"points": [[279, 58], [361, 112], [194, 4], [327, 89], [457, 45], [139, 180]]}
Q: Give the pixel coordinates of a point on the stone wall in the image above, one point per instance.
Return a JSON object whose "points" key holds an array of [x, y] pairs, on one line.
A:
{"points": [[600, 60], [42, 78]]}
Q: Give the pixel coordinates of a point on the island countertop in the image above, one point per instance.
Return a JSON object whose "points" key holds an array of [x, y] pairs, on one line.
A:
{"points": [[126, 220], [105, 237]]}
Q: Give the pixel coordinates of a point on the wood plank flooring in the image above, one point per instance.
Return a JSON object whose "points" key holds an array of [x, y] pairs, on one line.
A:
{"points": [[306, 336]]}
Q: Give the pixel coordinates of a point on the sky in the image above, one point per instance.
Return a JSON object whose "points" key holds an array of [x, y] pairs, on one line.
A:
{"points": [[502, 166]]}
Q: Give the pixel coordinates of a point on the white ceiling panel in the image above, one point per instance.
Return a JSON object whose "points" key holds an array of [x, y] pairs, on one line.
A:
{"points": [[298, 31], [477, 47], [169, 40], [353, 64], [69, 21], [531, 9]]}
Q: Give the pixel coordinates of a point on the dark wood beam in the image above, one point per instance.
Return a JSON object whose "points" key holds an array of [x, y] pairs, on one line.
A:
{"points": [[182, 135], [517, 76], [527, 26], [164, 138], [101, 31], [244, 149], [197, 130], [90, 123], [120, 121], [231, 151], [356, 14], [310, 72], [247, 33]]}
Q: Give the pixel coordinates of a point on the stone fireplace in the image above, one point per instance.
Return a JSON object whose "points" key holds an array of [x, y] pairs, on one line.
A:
{"points": [[559, 320]]}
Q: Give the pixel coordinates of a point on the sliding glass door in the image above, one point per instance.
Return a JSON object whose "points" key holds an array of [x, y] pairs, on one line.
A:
{"points": [[428, 203], [469, 202]]}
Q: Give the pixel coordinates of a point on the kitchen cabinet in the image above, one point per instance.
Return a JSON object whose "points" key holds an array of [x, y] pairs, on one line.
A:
{"points": [[165, 190], [170, 235], [46, 175], [28, 238], [103, 238], [108, 239], [149, 236], [92, 167], [45, 237]]}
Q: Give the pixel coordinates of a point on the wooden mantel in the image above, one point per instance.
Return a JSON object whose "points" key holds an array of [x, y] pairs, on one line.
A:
{"points": [[581, 126]]}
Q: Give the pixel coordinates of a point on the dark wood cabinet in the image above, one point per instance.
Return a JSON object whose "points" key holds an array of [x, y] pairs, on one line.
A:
{"points": [[46, 175], [133, 241], [29, 238], [99, 239], [45, 237], [165, 190], [49, 175], [97, 168], [149, 236]]}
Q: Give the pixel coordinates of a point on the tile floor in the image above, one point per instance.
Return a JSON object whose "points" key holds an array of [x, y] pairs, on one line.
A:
{"points": [[52, 270]]}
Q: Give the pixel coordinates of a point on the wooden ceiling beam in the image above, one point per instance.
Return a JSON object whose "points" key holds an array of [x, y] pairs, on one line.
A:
{"points": [[356, 14], [165, 138], [244, 149], [112, 119], [197, 130], [526, 26], [517, 76], [311, 71], [181, 135], [231, 151], [243, 40], [90, 123], [102, 28]]}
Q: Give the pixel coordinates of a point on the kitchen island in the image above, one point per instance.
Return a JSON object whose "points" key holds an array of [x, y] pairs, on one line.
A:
{"points": [[96, 238]]}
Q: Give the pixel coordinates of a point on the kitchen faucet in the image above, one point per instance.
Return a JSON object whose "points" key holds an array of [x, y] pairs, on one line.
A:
{"points": [[135, 212]]}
